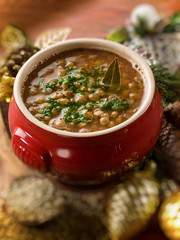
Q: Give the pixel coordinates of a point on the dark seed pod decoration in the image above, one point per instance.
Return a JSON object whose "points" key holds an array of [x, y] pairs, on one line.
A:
{"points": [[14, 61], [9, 67]]}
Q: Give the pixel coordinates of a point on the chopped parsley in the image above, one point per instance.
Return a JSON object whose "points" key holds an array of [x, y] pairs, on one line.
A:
{"points": [[47, 111], [74, 76], [71, 114], [51, 84], [115, 104], [69, 68], [72, 111]]}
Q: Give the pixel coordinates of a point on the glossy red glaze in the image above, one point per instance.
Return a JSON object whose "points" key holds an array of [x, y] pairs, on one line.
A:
{"points": [[96, 158], [87, 158]]}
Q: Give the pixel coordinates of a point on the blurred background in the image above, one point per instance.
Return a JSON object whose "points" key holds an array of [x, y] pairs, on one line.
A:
{"points": [[87, 18]]}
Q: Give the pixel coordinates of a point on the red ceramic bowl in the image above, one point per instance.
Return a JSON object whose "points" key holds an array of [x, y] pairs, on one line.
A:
{"points": [[86, 158]]}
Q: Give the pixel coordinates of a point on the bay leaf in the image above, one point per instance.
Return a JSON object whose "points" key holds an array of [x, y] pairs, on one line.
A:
{"points": [[112, 77]]}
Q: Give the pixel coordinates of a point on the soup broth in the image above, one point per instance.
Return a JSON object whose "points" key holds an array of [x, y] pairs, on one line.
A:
{"points": [[66, 91]]}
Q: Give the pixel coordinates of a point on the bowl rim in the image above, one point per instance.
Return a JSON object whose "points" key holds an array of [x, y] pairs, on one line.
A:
{"points": [[90, 43]]}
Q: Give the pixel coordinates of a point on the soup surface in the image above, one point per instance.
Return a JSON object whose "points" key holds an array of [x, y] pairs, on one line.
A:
{"points": [[66, 91]]}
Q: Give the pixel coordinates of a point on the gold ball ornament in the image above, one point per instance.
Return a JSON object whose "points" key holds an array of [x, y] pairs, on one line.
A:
{"points": [[169, 216], [131, 204]]}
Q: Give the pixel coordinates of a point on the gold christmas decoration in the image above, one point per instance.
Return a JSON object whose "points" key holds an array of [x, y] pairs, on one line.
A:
{"points": [[168, 186], [34, 200], [13, 37], [52, 36], [6, 88], [150, 166], [169, 216], [81, 219], [131, 204]]}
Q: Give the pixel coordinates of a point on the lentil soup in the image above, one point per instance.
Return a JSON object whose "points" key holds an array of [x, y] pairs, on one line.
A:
{"points": [[66, 91]]}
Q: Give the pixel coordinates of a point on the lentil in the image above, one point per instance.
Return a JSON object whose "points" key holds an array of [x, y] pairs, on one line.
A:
{"points": [[93, 97], [104, 120], [114, 114], [83, 130]]}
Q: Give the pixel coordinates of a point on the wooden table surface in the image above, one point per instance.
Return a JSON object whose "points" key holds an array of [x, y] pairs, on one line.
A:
{"points": [[93, 18]]}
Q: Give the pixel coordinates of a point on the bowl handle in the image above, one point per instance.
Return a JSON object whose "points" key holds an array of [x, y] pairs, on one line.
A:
{"points": [[30, 150]]}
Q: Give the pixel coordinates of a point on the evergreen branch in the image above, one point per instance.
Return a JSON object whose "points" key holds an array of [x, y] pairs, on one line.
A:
{"points": [[167, 83], [141, 27], [174, 24]]}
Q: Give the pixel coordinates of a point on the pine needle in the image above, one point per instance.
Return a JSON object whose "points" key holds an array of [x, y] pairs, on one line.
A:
{"points": [[141, 27], [167, 83]]}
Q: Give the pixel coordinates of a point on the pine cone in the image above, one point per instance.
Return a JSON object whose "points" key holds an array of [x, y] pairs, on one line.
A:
{"points": [[172, 113], [168, 147], [131, 204]]}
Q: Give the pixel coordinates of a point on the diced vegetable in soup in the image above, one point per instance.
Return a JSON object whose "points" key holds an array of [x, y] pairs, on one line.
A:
{"points": [[67, 91]]}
